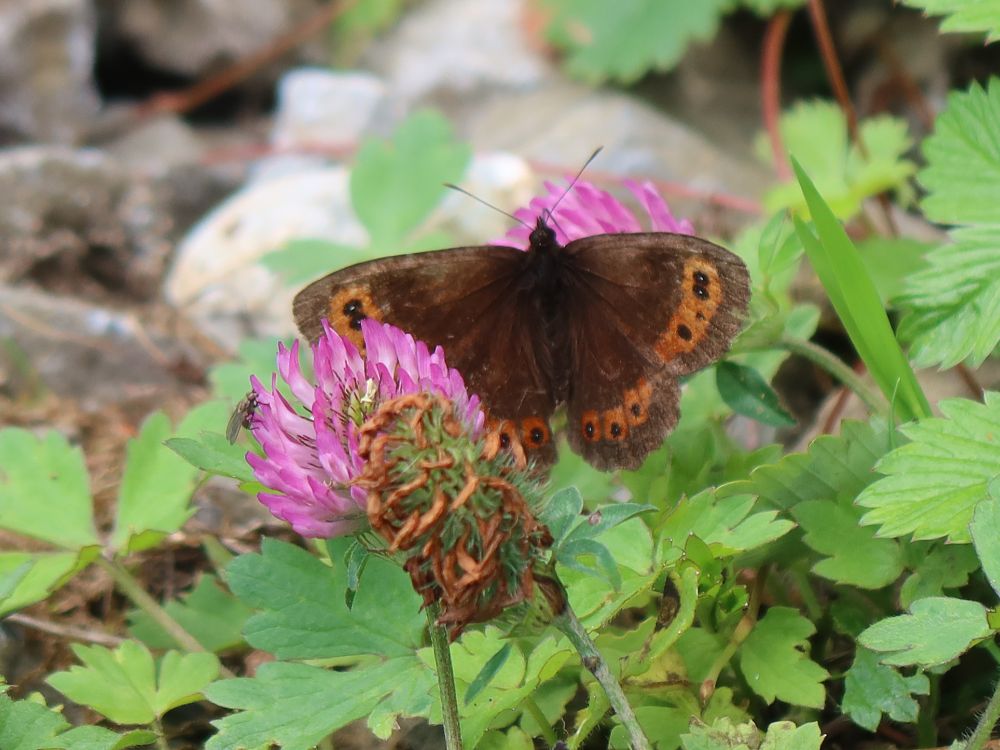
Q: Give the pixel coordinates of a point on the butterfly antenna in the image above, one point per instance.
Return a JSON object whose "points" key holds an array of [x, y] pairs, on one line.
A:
{"points": [[573, 182], [476, 198]]}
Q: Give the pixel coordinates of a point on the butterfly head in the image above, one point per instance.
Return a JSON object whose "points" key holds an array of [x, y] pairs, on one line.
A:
{"points": [[543, 237]]}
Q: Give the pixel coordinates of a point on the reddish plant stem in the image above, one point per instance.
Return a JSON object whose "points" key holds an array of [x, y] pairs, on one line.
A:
{"points": [[834, 73], [187, 99], [770, 88]]}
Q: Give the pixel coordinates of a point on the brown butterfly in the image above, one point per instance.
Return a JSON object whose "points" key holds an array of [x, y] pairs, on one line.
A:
{"points": [[605, 324]]}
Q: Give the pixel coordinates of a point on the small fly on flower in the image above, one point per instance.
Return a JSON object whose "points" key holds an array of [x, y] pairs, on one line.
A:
{"points": [[241, 416]]}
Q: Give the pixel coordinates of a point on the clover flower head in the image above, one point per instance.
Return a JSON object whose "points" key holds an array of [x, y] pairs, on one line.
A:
{"points": [[587, 210], [310, 455]]}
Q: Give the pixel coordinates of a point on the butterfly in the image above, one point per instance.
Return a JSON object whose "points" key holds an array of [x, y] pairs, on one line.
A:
{"points": [[605, 324]]}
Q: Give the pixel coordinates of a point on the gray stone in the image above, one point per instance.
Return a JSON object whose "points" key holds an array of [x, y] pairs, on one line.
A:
{"points": [[457, 48], [75, 221], [192, 36], [46, 87]]}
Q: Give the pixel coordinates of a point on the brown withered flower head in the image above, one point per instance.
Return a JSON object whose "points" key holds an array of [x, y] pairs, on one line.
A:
{"points": [[460, 511]]}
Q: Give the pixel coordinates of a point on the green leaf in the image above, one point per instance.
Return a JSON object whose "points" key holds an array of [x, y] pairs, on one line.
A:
{"points": [[964, 15], [723, 734], [774, 661], [99, 738], [395, 185], [854, 555], [838, 264], [231, 380], [213, 616], [768, 7], [937, 568], [215, 454], [816, 134], [872, 689], [45, 489], [747, 393], [627, 39], [304, 613], [934, 483], [294, 706], [488, 672], [937, 630], [126, 686], [156, 488], [303, 260], [891, 262], [33, 576], [985, 530], [953, 306], [26, 725]]}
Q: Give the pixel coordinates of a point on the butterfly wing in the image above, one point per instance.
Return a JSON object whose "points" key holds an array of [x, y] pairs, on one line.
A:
{"points": [[470, 302], [642, 309]]}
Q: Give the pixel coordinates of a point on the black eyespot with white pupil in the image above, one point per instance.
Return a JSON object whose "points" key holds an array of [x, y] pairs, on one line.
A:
{"points": [[504, 440], [355, 310], [616, 429], [636, 410], [700, 279], [588, 429], [700, 292], [537, 435]]}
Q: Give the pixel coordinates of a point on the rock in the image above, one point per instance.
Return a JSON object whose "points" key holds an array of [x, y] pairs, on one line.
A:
{"points": [[191, 36], [216, 277], [81, 350], [74, 221], [46, 89], [455, 48]]}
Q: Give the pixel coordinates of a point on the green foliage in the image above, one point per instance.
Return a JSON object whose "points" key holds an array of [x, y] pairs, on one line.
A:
{"points": [[769, 7], [29, 725], [934, 482], [746, 392], [815, 133], [964, 15], [953, 305], [725, 735], [774, 660], [854, 297], [129, 687], [937, 630], [627, 39], [872, 689]]}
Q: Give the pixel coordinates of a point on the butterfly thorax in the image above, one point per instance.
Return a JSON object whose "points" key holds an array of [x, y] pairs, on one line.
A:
{"points": [[543, 263]]}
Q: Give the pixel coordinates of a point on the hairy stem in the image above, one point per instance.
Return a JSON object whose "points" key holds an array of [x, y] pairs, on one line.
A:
{"points": [[445, 678], [987, 720], [829, 362], [570, 626]]}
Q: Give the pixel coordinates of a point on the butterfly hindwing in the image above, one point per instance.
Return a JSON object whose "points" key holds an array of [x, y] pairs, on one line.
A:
{"points": [[642, 309], [470, 302]]}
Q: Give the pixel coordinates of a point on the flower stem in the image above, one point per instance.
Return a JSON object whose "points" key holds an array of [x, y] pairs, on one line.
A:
{"points": [[593, 660], [140, 598], [829, 362], [532, 707], [445, 678], [740, 633], [987, 720]]}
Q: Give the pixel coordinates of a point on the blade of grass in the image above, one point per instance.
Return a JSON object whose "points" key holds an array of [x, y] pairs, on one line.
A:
{"points": [[852, 292]]}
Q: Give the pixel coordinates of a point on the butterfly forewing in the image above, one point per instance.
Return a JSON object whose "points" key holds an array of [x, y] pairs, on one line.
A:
{"points": [[469, 301]]}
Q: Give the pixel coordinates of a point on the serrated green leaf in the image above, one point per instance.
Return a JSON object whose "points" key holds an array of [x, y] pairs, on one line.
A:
{"points": [[156, 488], [26, 725], [937, 630], [213, 616], [665, 723], [304, 613], [571, 552], [747, 393], [294, 706], [872, 689], [985, 530], [215, 454], [561, 513], [953, 306], [933, 483], [937, 568], [854, 555], [628, 39], [723, 521], [99, 738], [40, 573], [395, 185], [964, 15], [892, 261], [45, 489], [723, 734], [816, 134], [774, 660], [126, 685]]}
